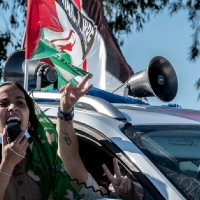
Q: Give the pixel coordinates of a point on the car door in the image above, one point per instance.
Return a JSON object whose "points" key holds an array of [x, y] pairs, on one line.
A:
{"points": [[96, 149]]}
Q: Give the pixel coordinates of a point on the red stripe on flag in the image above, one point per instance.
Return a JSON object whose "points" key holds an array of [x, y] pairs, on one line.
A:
{"points": [[31, 26], [85, 65], [40, 14], [78, 4], [48, 61]]}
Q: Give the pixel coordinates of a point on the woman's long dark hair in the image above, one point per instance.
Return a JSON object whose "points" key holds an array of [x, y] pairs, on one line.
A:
{"points": [[30, 103]]}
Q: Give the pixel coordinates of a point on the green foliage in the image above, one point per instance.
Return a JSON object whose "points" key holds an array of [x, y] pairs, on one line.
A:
{"points": [[13, 21], [197, 85], [122, 15], [4, 41]]}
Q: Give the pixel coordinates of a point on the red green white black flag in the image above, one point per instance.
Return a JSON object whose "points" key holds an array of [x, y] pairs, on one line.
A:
{"points": [[59, 31]]}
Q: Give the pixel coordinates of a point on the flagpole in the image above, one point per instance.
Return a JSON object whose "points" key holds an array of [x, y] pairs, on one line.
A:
{"points": [[26, 62], [26, 75], [23, 39]]}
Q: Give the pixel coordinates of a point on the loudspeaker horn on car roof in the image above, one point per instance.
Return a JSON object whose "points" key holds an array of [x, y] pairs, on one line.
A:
{"points": [[158, 79], [40, 74]]}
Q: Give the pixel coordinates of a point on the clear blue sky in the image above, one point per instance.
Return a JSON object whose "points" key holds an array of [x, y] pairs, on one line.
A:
{"points": [[169, 37]]}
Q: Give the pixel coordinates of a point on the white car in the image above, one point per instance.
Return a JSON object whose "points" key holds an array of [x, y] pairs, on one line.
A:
{"points": [[158, 145]]}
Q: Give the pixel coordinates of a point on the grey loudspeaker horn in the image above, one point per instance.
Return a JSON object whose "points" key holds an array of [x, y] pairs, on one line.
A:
{"points": [[40, 74], [158, 79]]}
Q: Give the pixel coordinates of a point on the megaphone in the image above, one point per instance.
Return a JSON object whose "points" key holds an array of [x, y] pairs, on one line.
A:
{"points": [[40, 74], [158, 79]]}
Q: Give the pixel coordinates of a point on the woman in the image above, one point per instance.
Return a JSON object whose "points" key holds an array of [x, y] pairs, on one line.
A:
{"points": [[41, 175]]}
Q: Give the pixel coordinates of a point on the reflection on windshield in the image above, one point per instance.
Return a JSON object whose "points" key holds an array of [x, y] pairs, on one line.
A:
{"points": [[175, 150]]}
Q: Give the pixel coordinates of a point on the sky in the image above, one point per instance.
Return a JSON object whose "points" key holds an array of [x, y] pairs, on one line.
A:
{"points": [[169, 37]]}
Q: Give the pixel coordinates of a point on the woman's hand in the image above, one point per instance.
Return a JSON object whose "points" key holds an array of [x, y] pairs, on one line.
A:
{"points": [[123, 186], [71, 94], [9, 157]]}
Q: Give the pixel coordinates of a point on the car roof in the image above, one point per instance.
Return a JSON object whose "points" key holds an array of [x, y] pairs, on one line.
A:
{"points": [[149, 115], [138, 113]]}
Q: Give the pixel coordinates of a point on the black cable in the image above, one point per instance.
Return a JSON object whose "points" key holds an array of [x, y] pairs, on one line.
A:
{"points": [[55, 171], [118, 88]]}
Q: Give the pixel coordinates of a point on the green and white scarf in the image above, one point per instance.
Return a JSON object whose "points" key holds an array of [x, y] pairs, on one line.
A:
{"points": [[54, 181]]}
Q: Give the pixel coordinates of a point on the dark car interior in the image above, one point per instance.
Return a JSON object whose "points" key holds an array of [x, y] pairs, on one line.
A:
{"points": [[94, 154]]}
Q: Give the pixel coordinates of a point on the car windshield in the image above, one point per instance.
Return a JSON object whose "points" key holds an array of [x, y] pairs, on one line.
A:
{"points": [[174, 150]]}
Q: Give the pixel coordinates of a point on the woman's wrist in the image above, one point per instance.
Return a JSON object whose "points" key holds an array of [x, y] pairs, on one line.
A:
{"points": [[6, 168], [65, 109], [66, 116]]}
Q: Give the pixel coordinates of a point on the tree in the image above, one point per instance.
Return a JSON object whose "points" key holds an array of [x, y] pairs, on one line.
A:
{"points": [[11, 32], [122, 15]]}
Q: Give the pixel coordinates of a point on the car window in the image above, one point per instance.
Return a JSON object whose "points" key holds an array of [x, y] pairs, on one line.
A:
{"points": [[94, 154], [175, 150]]}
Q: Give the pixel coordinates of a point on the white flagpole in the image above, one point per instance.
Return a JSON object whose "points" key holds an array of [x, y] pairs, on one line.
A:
{"points": [[26, 74], [26, 63]]}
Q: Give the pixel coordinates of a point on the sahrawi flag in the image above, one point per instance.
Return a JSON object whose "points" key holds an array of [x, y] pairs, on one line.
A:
{"points": [[59, 31]]}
